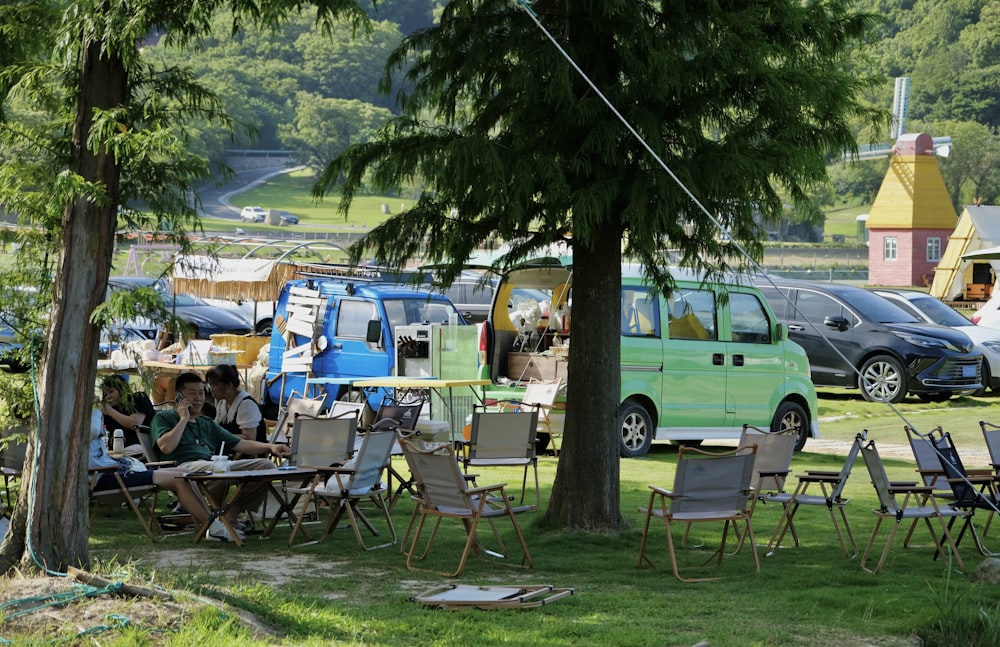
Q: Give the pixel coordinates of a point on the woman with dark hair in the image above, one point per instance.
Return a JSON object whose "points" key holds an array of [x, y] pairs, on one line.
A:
{"points": [[124, 409], [235, 410]]}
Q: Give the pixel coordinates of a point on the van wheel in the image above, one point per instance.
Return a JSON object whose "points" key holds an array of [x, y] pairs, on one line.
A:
{"points": [[636, 430], [883, 380], [791, 415], [264, 327]]}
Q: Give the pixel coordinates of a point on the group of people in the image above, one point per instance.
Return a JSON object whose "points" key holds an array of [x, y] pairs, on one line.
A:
{"points": [[189, 438]]}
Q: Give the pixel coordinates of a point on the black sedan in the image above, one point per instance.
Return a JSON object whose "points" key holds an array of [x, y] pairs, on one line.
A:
{"points": [[203, 320]]}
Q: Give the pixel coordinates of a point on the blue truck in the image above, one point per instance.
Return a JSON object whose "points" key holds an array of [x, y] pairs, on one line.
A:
{"points": [[345, 327]]}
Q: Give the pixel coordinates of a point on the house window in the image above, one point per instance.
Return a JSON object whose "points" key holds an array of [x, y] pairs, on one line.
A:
{"points": [[890, 248], [934, 249]]}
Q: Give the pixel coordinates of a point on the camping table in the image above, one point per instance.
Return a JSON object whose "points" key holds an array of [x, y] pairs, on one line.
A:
{"points": [[455, 419], [204, 480]]}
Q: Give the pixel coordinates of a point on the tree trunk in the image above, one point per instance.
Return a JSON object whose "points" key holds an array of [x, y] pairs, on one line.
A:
{"points": [[50, 525], [585, 494]]}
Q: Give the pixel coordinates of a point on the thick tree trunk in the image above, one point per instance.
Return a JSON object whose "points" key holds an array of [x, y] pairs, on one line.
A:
{"points": [[50, 526], [585, 494]]}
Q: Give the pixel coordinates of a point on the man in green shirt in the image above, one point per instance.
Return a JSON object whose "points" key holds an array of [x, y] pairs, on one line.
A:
{"points": [[191, 439]]}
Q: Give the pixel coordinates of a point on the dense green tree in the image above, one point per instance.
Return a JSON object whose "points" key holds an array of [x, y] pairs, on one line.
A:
{"points": [[340, 67], [739, 99], [323, 128], [111, 139], [973, 164]]}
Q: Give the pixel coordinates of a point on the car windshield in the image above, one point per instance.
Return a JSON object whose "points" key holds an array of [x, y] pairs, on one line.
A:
{"points": [[874, 308], [939, 313]]}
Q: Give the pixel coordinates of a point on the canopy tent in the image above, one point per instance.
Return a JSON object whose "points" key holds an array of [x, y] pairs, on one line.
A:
{"points": [[230, 278]]}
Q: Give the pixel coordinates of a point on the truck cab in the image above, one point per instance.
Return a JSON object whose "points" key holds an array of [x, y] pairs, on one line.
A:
{"points": [[333, 327]]}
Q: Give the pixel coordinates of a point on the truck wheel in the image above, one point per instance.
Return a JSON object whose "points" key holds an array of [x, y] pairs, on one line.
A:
{"points": [[791, 415], [883, 380], [636, 430], [264, 327]]}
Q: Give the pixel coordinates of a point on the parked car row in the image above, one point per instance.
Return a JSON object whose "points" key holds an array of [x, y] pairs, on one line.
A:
{"points": [[869, 340]]}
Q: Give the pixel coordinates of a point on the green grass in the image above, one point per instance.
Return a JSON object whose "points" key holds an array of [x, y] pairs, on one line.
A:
{"points": [[810, 595], [292, 192], [842, 221]]}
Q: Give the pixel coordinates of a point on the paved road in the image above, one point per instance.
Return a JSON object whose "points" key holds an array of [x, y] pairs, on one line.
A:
{"points": [[215, 199]]}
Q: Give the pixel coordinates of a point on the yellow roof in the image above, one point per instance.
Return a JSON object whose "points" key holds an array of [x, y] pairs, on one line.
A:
{"points": [[912, 196]]}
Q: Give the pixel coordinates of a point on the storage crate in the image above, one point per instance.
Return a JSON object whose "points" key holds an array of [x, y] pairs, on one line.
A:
{"points": [[248, 346]]}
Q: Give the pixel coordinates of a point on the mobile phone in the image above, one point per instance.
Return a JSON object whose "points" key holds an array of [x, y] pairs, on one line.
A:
{"points": [[178, 398]]}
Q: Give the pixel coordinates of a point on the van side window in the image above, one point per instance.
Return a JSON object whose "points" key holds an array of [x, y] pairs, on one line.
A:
{"points": [[353, 318], [692, 315], [749, 319], [640, 312]]}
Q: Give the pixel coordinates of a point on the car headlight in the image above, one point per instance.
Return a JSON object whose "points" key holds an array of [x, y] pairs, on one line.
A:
{"points": [[927, 342]]}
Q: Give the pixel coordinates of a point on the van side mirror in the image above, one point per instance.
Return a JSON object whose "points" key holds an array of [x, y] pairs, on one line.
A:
{"points": [[374, 332], [837, 323]]}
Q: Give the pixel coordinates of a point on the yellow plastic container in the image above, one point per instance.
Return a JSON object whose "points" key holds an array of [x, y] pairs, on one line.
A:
{"points": [[247, 346]]}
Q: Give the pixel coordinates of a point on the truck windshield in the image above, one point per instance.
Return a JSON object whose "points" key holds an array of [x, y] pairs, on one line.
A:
{"points": [[404, 312]]}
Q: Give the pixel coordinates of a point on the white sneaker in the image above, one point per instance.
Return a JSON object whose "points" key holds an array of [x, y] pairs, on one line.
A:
{"points": [[218, 532]]}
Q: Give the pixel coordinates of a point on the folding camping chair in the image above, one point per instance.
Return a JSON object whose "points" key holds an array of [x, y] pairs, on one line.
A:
{"points": [[343, 488], [540, 395], [916, 504], [972, 490], [503, 439], [141, 500], [444, 493], [707, 487], [295, 405], [404, 417], [831, 495]]}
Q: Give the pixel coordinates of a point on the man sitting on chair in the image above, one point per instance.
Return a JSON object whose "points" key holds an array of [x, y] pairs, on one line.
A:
{"points": [[191, 439]]}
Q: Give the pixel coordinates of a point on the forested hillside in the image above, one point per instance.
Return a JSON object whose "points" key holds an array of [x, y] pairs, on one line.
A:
{"points": [[303, 90]]}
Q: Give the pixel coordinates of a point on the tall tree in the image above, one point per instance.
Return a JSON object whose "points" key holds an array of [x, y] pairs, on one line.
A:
{"points": [[738, 98], [119, 114]]}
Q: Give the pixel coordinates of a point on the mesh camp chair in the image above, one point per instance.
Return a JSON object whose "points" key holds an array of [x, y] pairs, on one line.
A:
{"points": [[403, 417], [504, 439], [928, 463], [443, 492], [831, 495], [707, 488], [916, 504], [971, 489], [344, 488]]}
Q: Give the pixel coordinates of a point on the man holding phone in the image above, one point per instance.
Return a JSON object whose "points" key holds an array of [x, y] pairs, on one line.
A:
{"points": [[190, 439]]}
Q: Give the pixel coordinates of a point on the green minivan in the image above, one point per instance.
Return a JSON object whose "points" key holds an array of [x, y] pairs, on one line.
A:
{"points": [[695, 366]]}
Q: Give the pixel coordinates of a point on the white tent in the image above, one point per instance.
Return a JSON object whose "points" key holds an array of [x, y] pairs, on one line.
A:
{"points": [[977, 230]]}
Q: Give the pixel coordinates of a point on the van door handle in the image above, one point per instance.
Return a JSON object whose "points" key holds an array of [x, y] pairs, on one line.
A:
{"points": [[718, 359], [796, 327], [338, 347], [737, 360]]}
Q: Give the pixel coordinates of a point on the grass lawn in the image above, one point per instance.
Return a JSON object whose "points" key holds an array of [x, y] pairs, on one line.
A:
{"points": [[292, 192], [334, 592]]}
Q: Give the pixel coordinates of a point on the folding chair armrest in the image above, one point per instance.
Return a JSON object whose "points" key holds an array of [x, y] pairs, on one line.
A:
{"points": [[103, 470], [658, 490], [902, 484], [160, 464], [821, 473], [982, 472], [482, 489], [903, 488], [980, 479], [774, 472], [820, 477]]}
